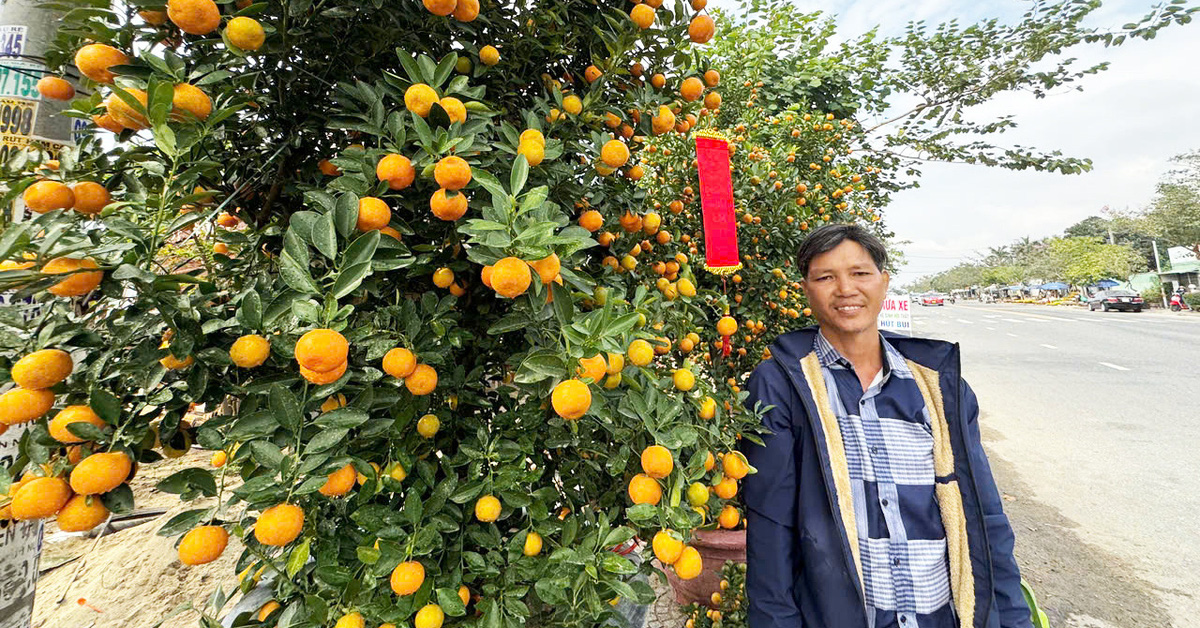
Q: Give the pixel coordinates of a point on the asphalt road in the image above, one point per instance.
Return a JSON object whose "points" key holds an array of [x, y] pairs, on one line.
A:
{"points": [[1093, 424]]}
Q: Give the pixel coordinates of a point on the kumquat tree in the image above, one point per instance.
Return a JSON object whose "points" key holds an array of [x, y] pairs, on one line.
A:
{"points": [[439, 268]]}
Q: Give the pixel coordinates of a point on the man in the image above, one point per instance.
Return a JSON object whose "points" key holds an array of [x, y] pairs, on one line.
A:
{"points": [[873, 504]]}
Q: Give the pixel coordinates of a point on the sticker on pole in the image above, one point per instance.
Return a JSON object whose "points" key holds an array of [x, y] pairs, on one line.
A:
{"points": [[20, 545], [896, 315], [18, 79], [12, 40], [16, 116]]}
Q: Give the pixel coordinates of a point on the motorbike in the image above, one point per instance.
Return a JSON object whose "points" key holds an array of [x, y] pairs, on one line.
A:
{"points": [[1178, 304]]}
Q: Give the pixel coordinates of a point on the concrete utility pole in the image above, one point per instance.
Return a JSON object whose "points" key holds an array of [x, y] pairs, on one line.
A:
{"points": [[1162, 293], [26, 121]]}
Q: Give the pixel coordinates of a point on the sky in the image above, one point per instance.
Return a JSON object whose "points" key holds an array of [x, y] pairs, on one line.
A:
{"points": [[1129, 120]]}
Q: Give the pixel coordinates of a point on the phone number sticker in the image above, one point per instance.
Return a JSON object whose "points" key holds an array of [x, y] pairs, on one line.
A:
{"points": [[16, 116], [18, 79]]}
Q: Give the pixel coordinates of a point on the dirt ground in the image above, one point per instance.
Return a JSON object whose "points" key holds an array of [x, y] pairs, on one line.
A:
{"points": [[131, 578]]}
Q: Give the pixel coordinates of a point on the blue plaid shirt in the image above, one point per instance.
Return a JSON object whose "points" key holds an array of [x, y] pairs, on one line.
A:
{"points": [[889, 448]]}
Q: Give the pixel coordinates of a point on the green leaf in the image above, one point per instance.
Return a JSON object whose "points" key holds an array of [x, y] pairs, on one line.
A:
{"points": [[298, 558], [621, 324], [564, 306], [105, 405], [160, 96], [119, 500], [618, 536], [362, 249], [190, 481], [479, 226], [253, 425], [537, 233], [14, 236], [641, 513], [451, 604], [325, 440], [86, 431], [367, 555], [410, 66], [512, 322], [345, 215], [534, 199], [428, 69], [296, 276], [307, 310], [413, 508], [423, 132], [343, 417], [295, 243], [444, 68], [539, 366], [324, 236], [489, 182], [286, 408], [491, 614], [266, 453], [615, 563], [184, 521], [520, 172], [349, 279], [395, 125], [249, 313], [302, 223], [321, 198]]}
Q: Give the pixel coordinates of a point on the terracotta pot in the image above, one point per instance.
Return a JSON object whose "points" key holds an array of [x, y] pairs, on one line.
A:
{"points": [[715, 547]]}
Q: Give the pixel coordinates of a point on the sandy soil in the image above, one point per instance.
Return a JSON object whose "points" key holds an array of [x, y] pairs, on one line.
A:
{"points": [[131, 578]]}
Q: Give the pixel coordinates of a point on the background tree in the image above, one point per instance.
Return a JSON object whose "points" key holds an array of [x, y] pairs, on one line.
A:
{"points": [[1084, 261], [1117, 227], [1174, 213]]}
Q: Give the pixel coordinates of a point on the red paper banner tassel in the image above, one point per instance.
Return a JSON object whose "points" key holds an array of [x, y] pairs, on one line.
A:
{"points": [[726, 346], [716, 202]]}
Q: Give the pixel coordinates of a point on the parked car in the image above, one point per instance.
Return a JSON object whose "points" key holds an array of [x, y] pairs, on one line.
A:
{"points": [[932, 299], [1124, 300]]}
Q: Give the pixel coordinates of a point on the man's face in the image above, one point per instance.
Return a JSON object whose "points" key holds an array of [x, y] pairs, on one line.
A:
{"points": [[845, 289]]}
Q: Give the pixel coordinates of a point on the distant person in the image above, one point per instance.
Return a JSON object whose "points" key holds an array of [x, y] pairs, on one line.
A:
{"points": [[873, 505]]}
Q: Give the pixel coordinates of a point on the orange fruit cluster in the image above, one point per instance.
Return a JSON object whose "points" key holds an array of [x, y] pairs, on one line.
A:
{"points": [[322, 355], [401, 363]]}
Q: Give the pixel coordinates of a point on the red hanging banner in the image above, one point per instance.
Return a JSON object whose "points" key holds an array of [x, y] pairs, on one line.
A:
{"points": [[716, 201]]}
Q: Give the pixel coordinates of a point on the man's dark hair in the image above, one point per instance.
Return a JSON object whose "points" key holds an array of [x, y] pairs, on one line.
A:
{"points": [[824, 239]]}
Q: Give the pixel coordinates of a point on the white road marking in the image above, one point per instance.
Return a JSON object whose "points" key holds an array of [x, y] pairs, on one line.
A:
{"points": [[1050, 346], [1012, 320], [965, 321], [991, 329], [1124, 321], [1114, 366], [1059, 318], [1014, 335]]}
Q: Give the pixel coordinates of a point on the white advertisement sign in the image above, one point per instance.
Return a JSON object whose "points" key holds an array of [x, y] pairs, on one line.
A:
{"points": [[896, 315], [20, 545], [1179, 254]]}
